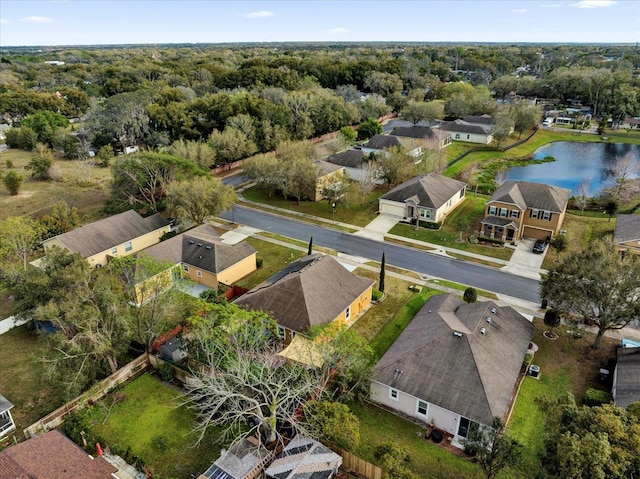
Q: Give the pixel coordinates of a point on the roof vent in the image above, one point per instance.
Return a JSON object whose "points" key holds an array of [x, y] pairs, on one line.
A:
{"points": [[457, 334], [483, 331], [199, 244], [429, 310], [208, 247], [493, 310], [200, 257], [488, 320], [191, 241]]}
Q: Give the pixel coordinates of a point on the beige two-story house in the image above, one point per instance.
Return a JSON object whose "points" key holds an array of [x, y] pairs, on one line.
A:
{"points": [[118, 235], [522, 209]]}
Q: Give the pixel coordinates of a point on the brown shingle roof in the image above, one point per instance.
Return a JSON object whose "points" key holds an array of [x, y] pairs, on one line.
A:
{"points": [[627, 228], [200, 247], [104, 234], [312, 290], [473, 375], [526, 194], [432, 190], [51, 455]]}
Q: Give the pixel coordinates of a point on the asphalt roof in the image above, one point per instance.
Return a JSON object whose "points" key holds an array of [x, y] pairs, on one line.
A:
{"points": [[104, 234], [466, 127], [312, 290], [471, 373], [627, 228], [419, 131], [526, 194], [349, 158], [627, 377], [432, 190]]}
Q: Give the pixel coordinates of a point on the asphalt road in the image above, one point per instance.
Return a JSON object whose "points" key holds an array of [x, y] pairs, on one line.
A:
{"points": [[422, 262]]}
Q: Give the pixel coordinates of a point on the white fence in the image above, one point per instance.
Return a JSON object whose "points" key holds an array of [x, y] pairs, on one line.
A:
{"points": [[10, 323]]}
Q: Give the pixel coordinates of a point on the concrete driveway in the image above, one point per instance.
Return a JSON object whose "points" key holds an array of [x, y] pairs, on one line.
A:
{"points": [[379, 227], [524, 261]]}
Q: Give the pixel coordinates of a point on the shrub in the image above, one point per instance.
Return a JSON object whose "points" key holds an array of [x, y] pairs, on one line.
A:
{"points": [[258, 263], [376, 295], [9, 164], [473, 239], [165, 371], [470, 295], [210, 295], [12, 182], [54, 173], [596, 397]]}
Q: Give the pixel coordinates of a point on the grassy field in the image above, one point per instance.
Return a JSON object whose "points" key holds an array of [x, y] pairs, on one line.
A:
{"points": [[274, 258], [85, 188], [23, 377], [150, 423]]}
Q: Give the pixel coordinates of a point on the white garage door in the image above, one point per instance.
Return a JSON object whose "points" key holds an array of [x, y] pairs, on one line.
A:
{"points": [[392, 208]]}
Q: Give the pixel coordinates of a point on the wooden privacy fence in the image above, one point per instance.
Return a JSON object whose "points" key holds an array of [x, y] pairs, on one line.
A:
{"points": [[357, 465], [97, 392]]}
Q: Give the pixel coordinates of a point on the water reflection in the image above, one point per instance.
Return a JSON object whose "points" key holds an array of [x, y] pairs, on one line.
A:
{"points": [[575, 162]]}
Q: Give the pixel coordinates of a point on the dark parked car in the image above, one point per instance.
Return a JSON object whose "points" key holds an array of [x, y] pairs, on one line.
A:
{"points": [[539, 246]]}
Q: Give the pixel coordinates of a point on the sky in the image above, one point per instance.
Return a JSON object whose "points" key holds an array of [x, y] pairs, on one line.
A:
{"points": [[98, 22]]}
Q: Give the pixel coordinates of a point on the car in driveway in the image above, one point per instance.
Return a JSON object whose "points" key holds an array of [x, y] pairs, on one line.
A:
{"points": [[539, 246]]}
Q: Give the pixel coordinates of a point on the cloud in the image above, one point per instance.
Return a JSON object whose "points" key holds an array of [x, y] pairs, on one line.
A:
{"points": [[339, 30], [36, 19], [519, 10], [593, 3], [3, 21], [259, 14]]}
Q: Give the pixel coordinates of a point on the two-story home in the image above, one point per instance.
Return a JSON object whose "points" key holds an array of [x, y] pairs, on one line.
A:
{"points": [[313, 290], [328, 175], [118, 235], [522, 209], [427, 197]]}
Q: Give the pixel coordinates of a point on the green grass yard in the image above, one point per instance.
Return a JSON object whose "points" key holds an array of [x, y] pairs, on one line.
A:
{"points": [[274, 258]]}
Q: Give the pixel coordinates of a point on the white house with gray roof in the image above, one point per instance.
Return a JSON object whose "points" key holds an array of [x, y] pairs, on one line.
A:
{"points": [[461, 130], [454, 365]]}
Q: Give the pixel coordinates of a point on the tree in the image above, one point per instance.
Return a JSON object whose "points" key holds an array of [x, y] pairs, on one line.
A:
{"points": [[310, 249], [367, 183], [19, 237], [393, 459], [40, 164], [231, 145], [552, 318], [470, 295], [611, 207], [200, 198], [266, 171], [559, 243], [382, 273], [582, 200], [123, 117], [493, 448], [12, 182], [502, 128], [333, 422], [395, 165], [369, 128], [525, 116], [625, 168], [598, 284], [416, 111], [383, 83], [348, 135]]}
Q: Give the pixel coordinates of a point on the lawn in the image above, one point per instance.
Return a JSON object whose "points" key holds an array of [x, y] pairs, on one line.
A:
{"points": [[274, 258], [148, 423], [473, 208], [358, 214], [85, 188], [23, 378]]}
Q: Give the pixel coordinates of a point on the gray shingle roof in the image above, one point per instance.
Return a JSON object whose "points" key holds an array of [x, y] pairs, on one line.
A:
{"points": [[432, 190], [417, 131], [326, 167], [200, 247], [380, 142], [498, 221], [312, 290], [304, 458], [462, 126], [481, 119], [348, 158], [627, 228], [526, 194], [104, 234], [473, 375], [627, 387], [5, 404]]}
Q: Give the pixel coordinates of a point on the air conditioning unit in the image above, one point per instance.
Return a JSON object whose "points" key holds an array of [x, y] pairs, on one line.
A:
{"points": [[534, 371]]}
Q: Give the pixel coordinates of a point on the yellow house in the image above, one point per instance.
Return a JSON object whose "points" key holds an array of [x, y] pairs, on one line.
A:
{"points": [[522, 209], [118, 235], [328, 175], [626, 236], [313, 290], [203, 257]]}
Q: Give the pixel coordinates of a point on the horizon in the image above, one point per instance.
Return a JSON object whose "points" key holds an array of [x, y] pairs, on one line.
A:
{"points": [[69, 23]]}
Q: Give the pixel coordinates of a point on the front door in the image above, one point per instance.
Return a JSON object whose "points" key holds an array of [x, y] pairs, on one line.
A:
{"points": [[510, 234]]}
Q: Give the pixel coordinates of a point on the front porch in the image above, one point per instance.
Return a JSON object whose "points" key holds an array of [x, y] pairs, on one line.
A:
{"points": [[498, 228]]}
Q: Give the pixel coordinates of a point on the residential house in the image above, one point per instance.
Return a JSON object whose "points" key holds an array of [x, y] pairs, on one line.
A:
{"points": [[433, 137], [470, 132], [455, 365], [313, 290], [118, 235], [626, 377], [626, 235], [522, 209], [6, 421], [630, 124], [354, 164], [480, 119], [304, 458], [204, 258], [329, 175], [379, 143], [52, 455], [244, 460], [428, 197]]}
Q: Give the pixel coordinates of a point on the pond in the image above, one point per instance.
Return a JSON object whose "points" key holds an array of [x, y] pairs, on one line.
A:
{"points": [[575, 162]]}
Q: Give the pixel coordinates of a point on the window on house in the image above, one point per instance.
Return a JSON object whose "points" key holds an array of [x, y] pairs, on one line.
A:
{"points": [[457, 136], [546, 215], [461, 192], [515, 214], [127, 246], [493, 210], [199, 273], [535, 213], [425, 213], [114, 250], [468, 136], [185, 267], [393, 394], [463, 427], [347, 313], [422, 408], [503, 212]]}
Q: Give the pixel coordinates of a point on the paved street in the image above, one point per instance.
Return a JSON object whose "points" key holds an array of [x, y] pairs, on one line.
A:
{"points": [[429, 264]]}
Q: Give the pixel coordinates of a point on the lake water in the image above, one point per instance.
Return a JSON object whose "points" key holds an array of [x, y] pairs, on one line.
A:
{"points": [[575, 162]]}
